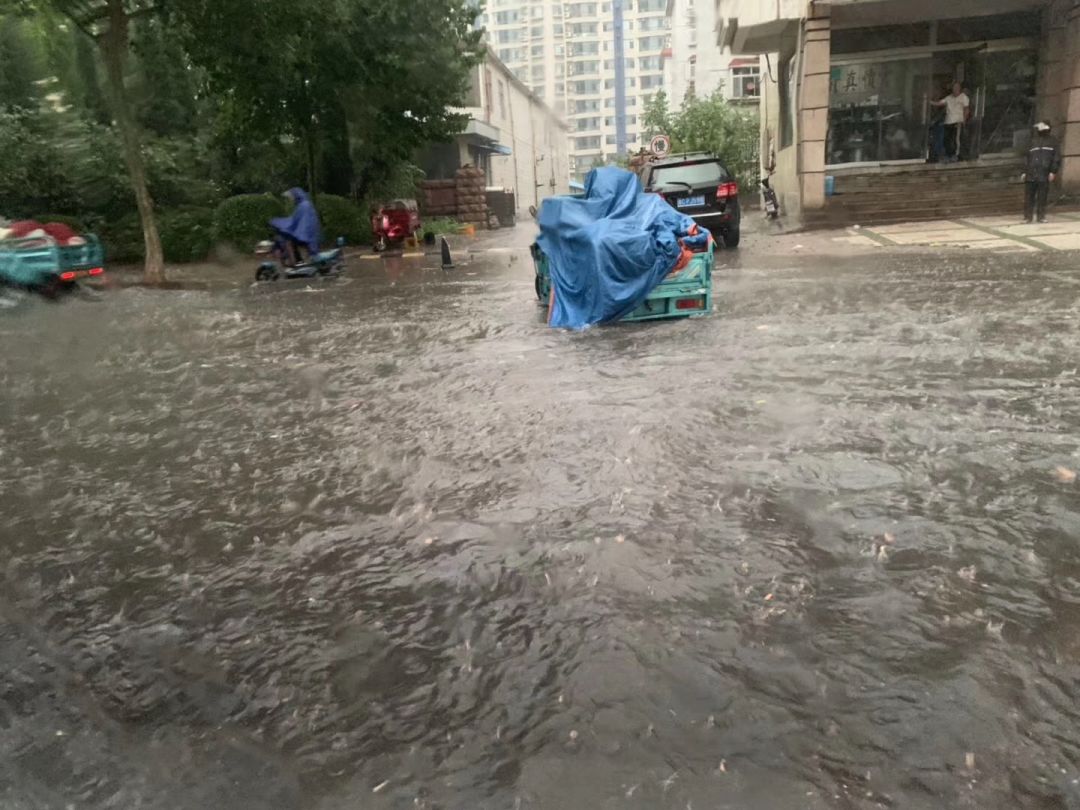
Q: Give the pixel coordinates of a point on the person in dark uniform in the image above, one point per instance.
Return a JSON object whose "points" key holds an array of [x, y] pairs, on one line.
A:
{"points": [[1043, 164]]}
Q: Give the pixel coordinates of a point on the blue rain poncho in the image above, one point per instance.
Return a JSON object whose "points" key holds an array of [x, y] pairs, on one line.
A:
{"points": [[608, 250], [303, 224]]}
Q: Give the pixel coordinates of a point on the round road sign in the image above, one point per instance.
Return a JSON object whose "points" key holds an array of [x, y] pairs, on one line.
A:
{"points": [[660, 145]]}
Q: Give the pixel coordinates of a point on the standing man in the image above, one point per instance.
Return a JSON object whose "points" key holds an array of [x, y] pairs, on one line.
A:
{"points": [[957, 111], [1043, 164]]}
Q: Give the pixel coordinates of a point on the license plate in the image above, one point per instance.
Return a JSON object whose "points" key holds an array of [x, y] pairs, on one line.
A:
{"points": [[691, 202]]}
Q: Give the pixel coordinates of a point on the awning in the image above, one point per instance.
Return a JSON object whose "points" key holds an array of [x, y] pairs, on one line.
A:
{"points": [[483, 135]]}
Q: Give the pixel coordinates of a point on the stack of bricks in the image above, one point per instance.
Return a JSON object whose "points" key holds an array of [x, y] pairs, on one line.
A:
{"points": [[471, 197], [440, 198]]}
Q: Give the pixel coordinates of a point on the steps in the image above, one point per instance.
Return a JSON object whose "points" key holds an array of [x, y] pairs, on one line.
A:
{"points": [[884, 195]]}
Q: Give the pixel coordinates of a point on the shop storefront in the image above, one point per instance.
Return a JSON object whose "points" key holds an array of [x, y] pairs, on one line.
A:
{"points": [[883, 82]]}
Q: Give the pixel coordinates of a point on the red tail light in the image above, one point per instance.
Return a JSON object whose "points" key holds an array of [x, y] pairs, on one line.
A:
{"points": [[690, 303], [96, 271], [67, 276], [725, 190]]}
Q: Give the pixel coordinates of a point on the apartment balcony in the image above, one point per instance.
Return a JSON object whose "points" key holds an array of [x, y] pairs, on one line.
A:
{"points": [[751, 26]]}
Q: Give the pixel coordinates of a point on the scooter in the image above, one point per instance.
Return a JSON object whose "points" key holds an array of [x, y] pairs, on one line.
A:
{"points": [[772, 202], [326, 263]]}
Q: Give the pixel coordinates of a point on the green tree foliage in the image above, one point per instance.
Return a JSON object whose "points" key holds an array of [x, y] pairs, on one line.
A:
{"points": [[710, 124], [164, 89], [109, 23], [19, 65], [373, 75], [657, 119], [165, 108], [85, 86]]}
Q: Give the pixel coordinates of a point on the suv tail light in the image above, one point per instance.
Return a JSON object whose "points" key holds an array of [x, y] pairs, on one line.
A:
{"points": [[725, 190]]}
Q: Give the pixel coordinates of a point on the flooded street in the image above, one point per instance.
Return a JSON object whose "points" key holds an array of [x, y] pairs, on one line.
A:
{"points": [[390, 542]]}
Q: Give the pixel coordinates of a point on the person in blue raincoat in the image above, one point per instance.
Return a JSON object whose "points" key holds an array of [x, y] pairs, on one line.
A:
{"points": [[299, 231]]}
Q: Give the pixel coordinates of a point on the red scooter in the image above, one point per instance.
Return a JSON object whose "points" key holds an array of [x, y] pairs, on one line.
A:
{"points": [[395, 222]]}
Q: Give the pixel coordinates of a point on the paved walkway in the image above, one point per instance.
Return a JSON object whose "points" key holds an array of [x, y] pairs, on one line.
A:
{"points": [[761, 238], [997, 234]]}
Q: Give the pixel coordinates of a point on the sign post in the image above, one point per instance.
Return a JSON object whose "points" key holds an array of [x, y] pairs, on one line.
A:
{"points": [[660, 146]]}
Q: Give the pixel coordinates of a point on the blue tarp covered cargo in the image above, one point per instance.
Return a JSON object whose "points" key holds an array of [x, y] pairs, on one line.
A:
{"points": [[608, 250]]}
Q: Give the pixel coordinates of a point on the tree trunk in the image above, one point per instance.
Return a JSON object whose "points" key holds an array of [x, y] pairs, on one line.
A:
{"points": [[114, 46], [309, 138]]}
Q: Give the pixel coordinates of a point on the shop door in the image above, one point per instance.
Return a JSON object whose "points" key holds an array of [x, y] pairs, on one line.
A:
{"points": [[878, 111], [968, 68], [1007, 103]]}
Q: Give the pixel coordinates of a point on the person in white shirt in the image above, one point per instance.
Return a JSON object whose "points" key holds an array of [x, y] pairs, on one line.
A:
{"points": [[957, 110]]}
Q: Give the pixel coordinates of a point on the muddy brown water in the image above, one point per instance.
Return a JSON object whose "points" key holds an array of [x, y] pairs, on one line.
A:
{"points": [[390, 542]]}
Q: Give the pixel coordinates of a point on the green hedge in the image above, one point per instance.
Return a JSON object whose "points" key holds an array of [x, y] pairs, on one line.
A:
{"points": [[342, 217], [243, 221], [123, 240], [187, 234]]}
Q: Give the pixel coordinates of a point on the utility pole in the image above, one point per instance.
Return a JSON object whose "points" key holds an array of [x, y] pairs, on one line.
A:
{"points": [[620, 78]]}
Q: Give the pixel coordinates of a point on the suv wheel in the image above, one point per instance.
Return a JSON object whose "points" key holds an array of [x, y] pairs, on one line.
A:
{"points": [[732, 236]]}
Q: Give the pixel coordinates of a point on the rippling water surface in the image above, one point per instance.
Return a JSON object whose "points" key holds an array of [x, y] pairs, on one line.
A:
{"points": [[392, 543]]}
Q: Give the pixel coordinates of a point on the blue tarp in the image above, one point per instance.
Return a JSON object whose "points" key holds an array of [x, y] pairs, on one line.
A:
{"points": [[608, 250], [303, 224]]}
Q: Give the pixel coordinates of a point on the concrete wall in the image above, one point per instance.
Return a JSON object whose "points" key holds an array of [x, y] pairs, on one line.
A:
{"points": [[813, 105], [785, 178], [1059, 82], [1070, 101], [537, 137]]}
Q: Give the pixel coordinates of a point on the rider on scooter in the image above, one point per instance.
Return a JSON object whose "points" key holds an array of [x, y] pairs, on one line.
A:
{"points": [[300, 230]]}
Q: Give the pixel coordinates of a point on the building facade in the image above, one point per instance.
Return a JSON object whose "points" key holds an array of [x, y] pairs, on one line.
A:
{"points": [[517, 140], [694, 65], [567, 52], [850, 85]]}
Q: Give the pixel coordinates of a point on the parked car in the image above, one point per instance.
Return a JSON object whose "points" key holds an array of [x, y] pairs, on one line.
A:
{"points": [[699, 185]]}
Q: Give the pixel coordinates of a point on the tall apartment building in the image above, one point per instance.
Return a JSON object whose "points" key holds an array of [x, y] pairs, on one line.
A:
{"points": [[565, 51], [695, 64]]}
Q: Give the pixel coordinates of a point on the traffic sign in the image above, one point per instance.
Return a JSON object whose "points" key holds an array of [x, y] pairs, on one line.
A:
{"points": [[660, 145]]}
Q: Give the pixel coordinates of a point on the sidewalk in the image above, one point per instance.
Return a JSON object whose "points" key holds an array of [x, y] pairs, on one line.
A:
{"points": [[995, 234]]}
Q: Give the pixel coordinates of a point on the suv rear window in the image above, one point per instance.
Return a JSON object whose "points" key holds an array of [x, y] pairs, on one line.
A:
{"points": [[708, 172]]}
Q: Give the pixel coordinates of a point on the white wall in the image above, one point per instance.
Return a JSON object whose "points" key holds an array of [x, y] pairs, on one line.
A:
{"points": [[536, 136]]}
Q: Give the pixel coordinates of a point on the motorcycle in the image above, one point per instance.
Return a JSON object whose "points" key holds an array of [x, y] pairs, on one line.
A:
{"points": [[395, 222], [326, 263], [772, 202]]}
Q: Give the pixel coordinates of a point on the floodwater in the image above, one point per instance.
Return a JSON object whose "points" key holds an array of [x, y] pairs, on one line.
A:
{"points": [[389, 542]]}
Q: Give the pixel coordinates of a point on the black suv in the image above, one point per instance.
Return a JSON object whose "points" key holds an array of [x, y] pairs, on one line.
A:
{"points": [[700, 186]]}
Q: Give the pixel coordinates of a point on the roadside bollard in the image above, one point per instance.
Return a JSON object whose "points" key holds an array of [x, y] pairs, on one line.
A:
{"points": [[447, 260]]}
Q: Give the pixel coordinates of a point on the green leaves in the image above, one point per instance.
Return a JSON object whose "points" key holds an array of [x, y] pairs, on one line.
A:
{"points": [[387, 71], [710, 124]]}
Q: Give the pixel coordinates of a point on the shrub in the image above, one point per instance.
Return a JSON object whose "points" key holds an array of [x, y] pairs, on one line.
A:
{"points": [[242, 221], [441, 225], [74, 223], [342, 217], [123, 240], [187, 234]]}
